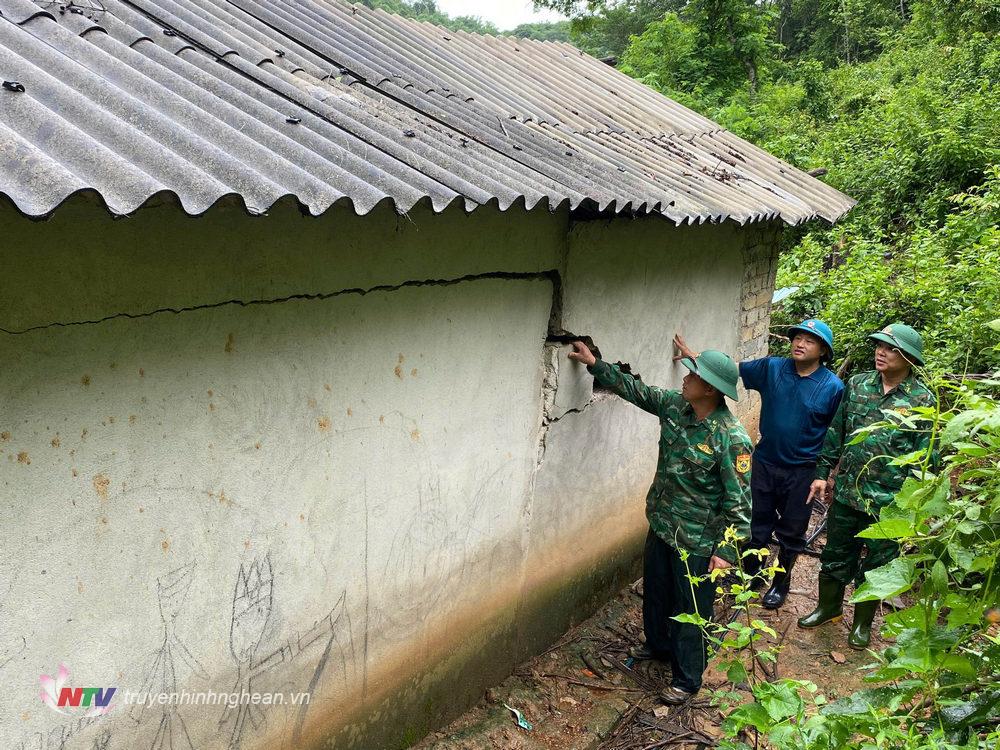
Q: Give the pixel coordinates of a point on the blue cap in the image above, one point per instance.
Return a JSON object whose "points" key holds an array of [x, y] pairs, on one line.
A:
{"points": [[816, 328]]}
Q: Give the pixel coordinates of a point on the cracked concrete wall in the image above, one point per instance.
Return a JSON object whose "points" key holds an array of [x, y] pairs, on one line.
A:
{"points": [[347, 463]]}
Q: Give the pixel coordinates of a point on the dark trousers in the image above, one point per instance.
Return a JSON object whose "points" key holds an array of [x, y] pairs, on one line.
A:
{"points": [[779, 496], [841, 558], [668, 592]]}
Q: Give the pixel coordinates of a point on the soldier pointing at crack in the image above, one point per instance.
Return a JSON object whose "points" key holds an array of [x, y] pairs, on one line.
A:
{"points": [[702, 487]]}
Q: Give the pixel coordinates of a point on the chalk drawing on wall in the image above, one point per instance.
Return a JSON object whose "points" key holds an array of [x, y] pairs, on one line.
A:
{"points": [[171, 591], [253, 600], [415, 574], [253, 608]]}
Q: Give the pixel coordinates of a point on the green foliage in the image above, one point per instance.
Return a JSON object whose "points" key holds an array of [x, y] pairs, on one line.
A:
{"points": [[939, 277], [835, 30], [706, 51], [604, 29], [557, 31]]}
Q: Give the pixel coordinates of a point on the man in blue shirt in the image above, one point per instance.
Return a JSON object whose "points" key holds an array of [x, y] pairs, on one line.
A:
{"points": [[799, 397]]}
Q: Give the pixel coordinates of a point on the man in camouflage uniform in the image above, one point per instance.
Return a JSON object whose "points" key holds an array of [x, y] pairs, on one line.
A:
{"points": [[702, 487], [866, 480]]}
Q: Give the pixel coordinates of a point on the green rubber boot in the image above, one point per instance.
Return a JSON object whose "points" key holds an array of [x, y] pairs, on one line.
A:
{"points": [[861, 630], [830, 606]]}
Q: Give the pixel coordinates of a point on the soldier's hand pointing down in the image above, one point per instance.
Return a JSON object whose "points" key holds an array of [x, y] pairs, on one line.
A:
{"points": [[717, 563]]}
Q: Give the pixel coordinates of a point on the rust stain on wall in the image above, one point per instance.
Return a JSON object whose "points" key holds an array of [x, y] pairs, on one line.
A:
{"points": [[101, 483]]}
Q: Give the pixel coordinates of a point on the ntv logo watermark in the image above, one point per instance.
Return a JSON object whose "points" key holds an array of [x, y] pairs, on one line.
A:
{"points": [[68, 701]]}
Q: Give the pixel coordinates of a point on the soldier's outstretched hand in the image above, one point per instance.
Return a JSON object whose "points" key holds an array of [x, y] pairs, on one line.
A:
{"points": [[581, 353], [681, 349]]}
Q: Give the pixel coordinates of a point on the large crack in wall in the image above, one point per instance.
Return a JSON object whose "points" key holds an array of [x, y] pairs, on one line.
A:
{"points": [[550, 275]]}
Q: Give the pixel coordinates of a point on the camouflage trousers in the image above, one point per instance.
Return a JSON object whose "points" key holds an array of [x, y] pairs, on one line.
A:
{"points": [[841, 558]]}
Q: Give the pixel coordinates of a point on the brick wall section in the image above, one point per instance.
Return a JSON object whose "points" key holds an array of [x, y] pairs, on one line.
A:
{"points": [[760, 264]]}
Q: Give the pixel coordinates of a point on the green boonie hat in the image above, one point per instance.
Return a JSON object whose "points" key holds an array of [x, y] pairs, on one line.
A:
{"points": [[904, 338], [716, 369]]}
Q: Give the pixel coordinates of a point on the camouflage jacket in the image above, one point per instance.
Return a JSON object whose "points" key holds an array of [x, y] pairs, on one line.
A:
{"points": [[702, 483], [866, 480]]}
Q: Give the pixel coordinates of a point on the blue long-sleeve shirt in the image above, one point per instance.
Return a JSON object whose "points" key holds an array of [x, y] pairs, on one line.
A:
{"points": [[795, 411]]}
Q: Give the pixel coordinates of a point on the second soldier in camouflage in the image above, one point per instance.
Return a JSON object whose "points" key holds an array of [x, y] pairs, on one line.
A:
{"points": [[867, 480]]}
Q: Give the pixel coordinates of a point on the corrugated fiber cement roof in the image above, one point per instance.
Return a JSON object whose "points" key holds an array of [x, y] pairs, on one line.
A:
{"points": [[328, 102]]}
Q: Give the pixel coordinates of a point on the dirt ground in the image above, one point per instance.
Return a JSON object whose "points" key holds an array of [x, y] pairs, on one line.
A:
{"points": [[584, 693]]}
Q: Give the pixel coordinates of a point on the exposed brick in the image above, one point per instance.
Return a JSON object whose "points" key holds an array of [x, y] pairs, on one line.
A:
{"points": [[760, 253]]}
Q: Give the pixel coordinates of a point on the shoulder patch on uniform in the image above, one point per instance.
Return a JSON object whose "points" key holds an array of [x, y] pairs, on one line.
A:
{"points": [[743, 463], [704, 448]]}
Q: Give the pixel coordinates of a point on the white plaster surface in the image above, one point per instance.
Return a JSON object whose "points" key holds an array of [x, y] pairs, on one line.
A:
{"points": [[574, 386]]}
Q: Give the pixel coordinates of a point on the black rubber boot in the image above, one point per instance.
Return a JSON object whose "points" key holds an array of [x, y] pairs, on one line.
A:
{"points": [[861, 630], [830, 606], [776, 595]]}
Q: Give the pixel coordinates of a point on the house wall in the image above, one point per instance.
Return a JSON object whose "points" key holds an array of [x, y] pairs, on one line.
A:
{"points": [[332, 455]]}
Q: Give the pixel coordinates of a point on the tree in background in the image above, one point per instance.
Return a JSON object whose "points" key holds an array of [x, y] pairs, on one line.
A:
{"points": [[427, 10], [604, 29], [547, 31], [709, 49]]}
